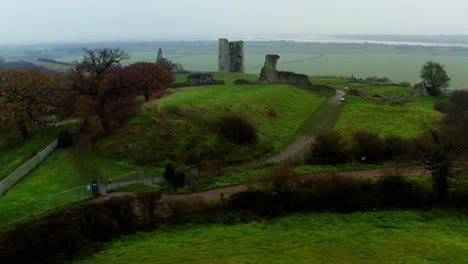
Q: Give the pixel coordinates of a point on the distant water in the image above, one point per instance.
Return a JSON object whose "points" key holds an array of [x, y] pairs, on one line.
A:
{"points": [[311, 39]]}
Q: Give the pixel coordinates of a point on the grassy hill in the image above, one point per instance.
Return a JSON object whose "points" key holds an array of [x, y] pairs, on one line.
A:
{"points": [[182, 127], [371, 237]]}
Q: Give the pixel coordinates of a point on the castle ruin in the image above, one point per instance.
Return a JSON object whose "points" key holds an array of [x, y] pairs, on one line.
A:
{"points": [[270, 74], [231, 56], [159, 58]]}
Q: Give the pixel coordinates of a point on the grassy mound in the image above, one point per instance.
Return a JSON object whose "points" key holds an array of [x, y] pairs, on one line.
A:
{"points": [[182, 127], [380, 237]]}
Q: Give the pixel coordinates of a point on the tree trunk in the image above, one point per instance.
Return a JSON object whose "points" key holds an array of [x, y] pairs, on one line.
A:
{"points": [[101, 111], [23, 128]]}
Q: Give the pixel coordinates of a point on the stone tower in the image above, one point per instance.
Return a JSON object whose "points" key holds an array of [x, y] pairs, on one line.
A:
{"points": [[231, 56], [159, 58]]}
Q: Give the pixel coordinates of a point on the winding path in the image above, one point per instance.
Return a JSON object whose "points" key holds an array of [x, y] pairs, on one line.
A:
{"points": [[302, 143]]}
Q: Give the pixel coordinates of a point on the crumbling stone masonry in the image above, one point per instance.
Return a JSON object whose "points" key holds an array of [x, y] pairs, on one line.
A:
{"points": [[231, 56], [269, 74], [159, 58], [199, 79], [195, 79]]}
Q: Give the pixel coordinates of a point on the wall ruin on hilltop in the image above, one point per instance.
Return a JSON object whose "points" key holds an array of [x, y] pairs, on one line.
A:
{"points": [[270, 74]]}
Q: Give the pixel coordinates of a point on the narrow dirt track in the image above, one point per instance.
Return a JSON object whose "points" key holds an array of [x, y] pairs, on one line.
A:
{"points": [[302, 144], [223, 193]]}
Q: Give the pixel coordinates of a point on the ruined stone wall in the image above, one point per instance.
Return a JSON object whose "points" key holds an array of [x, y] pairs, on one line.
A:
{"points": [[270, 74], [231, 56], [195, 79], [159, 58]]}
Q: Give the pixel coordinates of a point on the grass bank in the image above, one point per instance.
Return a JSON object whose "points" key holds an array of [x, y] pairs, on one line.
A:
{"points": [[371, 237]]}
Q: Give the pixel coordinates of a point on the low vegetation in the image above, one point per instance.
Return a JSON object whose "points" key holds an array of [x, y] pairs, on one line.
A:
{"points": [[383, 237]]}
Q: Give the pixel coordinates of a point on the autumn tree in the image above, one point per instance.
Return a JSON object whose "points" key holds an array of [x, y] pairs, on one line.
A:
{"points": [[148, 78], [434, 77], [89, 81], [102, 87], [29, 97]]}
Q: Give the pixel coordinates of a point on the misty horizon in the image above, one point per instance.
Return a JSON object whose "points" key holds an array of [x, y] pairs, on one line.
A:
{"points": [[30, 21]]}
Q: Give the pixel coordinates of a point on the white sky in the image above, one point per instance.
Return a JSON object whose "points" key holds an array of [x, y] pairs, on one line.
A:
{"points": [[29, 21]]}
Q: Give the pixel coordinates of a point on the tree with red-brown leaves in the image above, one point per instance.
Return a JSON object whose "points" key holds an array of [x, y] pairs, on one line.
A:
{"points": [[149, 78], [89, 82], [102, 87]]}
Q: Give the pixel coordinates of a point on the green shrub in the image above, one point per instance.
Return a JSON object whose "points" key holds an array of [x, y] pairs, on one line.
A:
{"points": [[368, 148], [328, 148], [236, 129]]}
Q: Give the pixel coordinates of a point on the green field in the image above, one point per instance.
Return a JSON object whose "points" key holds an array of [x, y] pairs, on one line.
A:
{"points": [[387, 89], [407, 120], [397, 67], [371, 237]]}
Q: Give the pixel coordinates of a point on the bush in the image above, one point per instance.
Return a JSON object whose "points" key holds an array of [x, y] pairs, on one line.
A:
{"points": [[394, 147], [447, 107], [236, 129], [395, 191], [329, 149], [377, 79], [405, 84], [369, 148], [460, 98]]}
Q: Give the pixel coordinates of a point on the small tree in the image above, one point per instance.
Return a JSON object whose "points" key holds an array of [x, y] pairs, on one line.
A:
{"points": [[434, 77], [439, 155]]}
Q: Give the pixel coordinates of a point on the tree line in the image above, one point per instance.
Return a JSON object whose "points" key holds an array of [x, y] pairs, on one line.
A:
{"points": [[98, 86]]}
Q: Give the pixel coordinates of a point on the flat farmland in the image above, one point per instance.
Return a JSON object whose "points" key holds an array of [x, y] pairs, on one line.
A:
{"points": [[397, 67]]}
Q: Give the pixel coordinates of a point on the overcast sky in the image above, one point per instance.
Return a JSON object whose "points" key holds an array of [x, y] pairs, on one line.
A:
{"points": [[29, 21]]}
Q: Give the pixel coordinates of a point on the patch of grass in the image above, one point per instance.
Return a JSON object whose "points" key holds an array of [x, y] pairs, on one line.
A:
{"points": [[330, 80], [63, 170], [137, 187], [229, 78], [14, 151], [388, 89], [380, 237], [304, 168], [408, 120], [180, 78]]}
